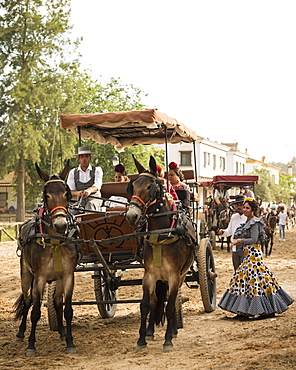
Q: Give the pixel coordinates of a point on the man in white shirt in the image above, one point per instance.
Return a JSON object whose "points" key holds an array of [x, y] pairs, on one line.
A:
{"points": [[86, 180], [236, 220]]}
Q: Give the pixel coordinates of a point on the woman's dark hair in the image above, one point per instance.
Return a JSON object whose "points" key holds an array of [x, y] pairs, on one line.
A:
{"points": [[254, 205], [120, 168], [174, 167]]}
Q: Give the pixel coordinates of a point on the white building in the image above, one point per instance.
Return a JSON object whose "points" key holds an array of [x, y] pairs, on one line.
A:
{"points": [[213, 158]]}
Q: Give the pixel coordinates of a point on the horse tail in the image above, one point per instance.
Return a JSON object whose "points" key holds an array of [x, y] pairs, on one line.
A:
{"points": [[18, 307], [161, 294]]}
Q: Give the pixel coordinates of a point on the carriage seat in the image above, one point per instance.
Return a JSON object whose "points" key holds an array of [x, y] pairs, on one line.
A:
{"points": [[109, 189]]}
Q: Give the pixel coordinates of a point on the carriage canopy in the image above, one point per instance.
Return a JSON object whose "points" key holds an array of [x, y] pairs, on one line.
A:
{"points": [[232, 181], [128, 128]]}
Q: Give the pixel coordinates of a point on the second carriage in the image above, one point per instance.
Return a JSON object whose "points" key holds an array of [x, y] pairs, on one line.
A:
{"points": [[217, 216]]}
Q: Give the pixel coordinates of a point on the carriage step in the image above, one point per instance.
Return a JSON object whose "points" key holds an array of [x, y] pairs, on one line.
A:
{"points": [[193, 286]]}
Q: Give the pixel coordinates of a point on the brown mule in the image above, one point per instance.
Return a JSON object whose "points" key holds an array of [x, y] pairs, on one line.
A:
{"points": [[47, 256], [167, 257]]}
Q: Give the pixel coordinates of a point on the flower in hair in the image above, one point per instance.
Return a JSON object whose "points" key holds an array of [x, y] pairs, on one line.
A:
{"points": [[173, 165], [119, 168], [248, 199]]}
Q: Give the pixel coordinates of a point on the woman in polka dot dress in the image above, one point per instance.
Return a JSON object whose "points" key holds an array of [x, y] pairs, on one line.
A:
{"points": [[253, 289]]}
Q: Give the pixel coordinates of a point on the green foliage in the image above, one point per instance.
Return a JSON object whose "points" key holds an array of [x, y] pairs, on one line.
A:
{"points": [[114, 96], [287, 188], [40, 79], [266, 189]]}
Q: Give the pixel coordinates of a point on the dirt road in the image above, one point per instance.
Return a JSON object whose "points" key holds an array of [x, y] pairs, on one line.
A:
{"points": [[208, 340]]}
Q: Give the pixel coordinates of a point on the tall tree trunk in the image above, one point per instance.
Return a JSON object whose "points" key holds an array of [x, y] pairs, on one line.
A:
{"points": [[20, 213]]}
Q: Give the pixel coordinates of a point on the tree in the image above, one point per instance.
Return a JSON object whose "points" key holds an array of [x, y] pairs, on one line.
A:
{"points": [[33, 80], [287, 188], [266, 189], [115, 96]]}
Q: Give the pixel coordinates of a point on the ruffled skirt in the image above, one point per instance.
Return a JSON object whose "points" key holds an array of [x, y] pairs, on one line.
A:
{"points": [[253, 289]]}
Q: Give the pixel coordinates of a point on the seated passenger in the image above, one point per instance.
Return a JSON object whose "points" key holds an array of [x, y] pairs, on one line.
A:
{"points": [[170, 189], [120, 173], [120, 176], [176, 178]]}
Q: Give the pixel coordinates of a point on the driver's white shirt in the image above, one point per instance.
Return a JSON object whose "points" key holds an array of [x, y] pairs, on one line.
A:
{"points": [[84, 176]]}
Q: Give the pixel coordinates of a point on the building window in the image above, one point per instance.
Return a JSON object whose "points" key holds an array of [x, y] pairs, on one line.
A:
{"points": [[209, 159], [185, 158], [214, 161], [205, 159], [222, 163], [236, 168], [3, 199]]}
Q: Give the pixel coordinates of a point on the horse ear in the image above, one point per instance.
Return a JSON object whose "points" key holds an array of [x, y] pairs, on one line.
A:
{"points": [[65, 171], [152, 166], [43, 175], [140, 168]]}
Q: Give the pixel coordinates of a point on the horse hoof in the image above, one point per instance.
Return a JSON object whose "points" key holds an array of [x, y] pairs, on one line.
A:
{"points": [[167, 348], [140, 347], [30, 352], [174, 335], [150, 337], [19, 338], [70, 350]]}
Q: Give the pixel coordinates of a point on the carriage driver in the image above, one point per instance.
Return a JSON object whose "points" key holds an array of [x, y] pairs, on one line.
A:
{"points": [[221, 197], [86, 180]]}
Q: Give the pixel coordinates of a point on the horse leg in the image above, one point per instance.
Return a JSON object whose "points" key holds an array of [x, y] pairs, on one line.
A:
{"points": [[171, 315], [58, 305], [68, 313], [151, 322], [24, 302], [271, 244], [228, 243], [144, 308], [37, 292], [222, 242]]}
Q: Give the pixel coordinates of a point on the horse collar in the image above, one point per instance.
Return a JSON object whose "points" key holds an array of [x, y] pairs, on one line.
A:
{"points": [[148, 174]]}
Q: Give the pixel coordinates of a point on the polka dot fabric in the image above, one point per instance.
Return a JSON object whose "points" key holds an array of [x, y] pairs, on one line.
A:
{"points": [[253, 289]]}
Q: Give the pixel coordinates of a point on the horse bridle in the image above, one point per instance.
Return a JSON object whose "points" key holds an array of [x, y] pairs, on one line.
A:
{"points": [[65, 212], [144, 206]]}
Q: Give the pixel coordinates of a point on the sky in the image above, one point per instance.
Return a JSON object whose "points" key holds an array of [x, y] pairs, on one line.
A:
{"points": [[226, 69]]}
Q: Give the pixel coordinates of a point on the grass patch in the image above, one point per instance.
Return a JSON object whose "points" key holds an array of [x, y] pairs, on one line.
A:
{"points": [[10, 230]]}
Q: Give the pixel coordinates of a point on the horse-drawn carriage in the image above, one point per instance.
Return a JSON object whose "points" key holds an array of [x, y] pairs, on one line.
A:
{"points": [[217, 214], [149, 233]]}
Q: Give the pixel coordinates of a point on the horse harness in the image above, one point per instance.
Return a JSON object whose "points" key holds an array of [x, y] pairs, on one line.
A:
{"points": [[179, 222], [33, 229]]}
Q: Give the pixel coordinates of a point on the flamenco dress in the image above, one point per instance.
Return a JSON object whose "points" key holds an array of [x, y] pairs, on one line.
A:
{"points": [[253, 289]]}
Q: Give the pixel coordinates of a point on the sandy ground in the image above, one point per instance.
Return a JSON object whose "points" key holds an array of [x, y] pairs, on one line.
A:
{"points": [[207, 341]]}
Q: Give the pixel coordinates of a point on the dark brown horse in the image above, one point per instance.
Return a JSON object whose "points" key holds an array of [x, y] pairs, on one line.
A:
{"points": [[167, 256], [46, 256], [271, 222]]}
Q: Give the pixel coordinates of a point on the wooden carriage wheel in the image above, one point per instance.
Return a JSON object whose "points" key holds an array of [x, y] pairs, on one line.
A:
{"points": [[51, 312], [207, 275], [103, 293]]}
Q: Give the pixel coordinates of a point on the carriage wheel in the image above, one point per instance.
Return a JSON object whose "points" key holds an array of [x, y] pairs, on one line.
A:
{"points": [[179, 312], [207, 275], [51, 312], [103, 293], [213, 239]]}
